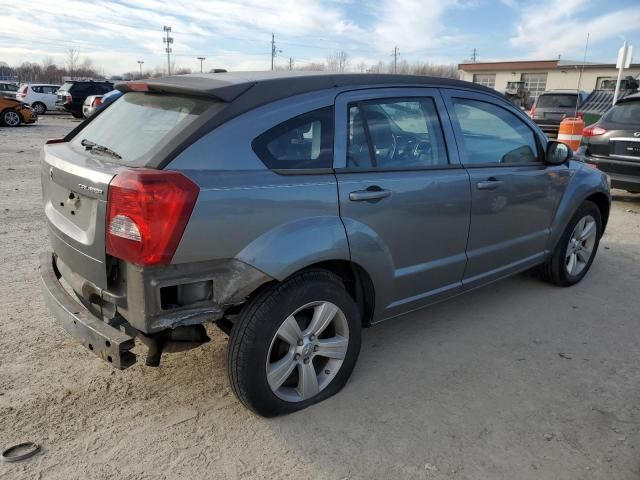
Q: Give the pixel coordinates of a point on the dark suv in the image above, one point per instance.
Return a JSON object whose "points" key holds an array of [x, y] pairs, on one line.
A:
{"points": [[613, 144], [554, 105], [72, 94], [295, 209]]}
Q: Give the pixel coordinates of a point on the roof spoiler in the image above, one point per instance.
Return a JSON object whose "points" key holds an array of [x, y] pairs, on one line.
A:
{"points": [[194, 86]]}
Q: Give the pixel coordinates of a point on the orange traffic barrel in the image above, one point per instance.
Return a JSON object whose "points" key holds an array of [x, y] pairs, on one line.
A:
{"points": [[571, 131]]}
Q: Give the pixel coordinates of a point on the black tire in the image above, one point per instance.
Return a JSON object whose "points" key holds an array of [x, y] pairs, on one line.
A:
{"points": [[39, 107], [257, 325], [4, 118], [554, 270], [77, 114]]}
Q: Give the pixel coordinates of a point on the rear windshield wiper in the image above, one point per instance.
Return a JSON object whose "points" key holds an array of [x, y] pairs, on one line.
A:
{"points": [[94, 147]]}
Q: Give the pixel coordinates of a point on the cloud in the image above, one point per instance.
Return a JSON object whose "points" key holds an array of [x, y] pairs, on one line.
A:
{"points": [[561, 26]]}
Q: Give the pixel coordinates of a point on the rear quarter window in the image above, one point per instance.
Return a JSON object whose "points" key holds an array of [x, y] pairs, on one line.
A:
{"points": [[302, 142]]}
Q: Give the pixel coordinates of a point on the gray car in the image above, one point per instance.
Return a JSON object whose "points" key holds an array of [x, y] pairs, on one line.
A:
{"points": [[294, 210], [554, 105]]}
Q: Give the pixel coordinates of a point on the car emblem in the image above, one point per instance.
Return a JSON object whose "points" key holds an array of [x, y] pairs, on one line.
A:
{"points": [[86, 188], [636, 134]]}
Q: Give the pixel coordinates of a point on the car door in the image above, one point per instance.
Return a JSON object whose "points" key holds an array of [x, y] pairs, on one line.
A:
{"points": [[50, 96], [404, 196], [514, 193]]}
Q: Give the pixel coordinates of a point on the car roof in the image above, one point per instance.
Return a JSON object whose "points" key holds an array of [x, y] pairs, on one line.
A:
{"points": [[263, 87]]}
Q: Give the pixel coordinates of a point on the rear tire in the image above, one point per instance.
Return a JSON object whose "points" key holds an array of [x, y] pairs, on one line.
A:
{"points": [[576, 249], [77, 114], [276, 365], [39, 107]]}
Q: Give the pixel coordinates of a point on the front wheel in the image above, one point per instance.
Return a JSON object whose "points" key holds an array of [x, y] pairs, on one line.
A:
{"points": [[294, 344], [577, 248], [11, 118]]}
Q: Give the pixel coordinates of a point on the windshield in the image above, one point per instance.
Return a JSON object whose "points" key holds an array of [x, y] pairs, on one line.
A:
{"points": [[557, 101], [626, 112], [138, 123]]}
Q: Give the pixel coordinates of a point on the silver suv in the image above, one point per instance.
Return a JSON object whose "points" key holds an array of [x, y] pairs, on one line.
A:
{"points": [[294, 210]]}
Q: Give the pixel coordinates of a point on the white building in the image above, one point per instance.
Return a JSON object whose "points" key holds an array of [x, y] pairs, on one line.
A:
{"points": [[541, 75]]}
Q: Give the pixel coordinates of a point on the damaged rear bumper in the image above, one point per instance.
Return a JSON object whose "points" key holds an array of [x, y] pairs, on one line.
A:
{"points": [[105, 341]]}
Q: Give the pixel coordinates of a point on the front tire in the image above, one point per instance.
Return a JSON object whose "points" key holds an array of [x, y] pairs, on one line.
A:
{"points": [[576, 249], [294, 344], [11, 118], [77, 114]]}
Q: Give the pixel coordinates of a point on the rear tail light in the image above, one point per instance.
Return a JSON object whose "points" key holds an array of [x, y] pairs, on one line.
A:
{"points": [[97, 102], [532, 112], [593, 131], [147, 212], [23, 91], [69, 98]]}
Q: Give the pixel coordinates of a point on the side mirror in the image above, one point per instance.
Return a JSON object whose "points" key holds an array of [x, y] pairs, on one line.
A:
{"points": [[558, 153]]}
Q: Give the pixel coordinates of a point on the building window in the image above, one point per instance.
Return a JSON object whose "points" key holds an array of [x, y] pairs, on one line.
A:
{"points": [[536, 83], [486, 79]]}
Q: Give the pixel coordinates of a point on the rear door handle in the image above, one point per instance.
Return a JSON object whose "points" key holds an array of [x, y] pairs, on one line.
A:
{"points": [[490, 184], [369, 194]]}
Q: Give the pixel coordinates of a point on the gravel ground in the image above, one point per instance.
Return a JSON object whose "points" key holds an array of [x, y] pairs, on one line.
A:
{"points": [[518, 380]]}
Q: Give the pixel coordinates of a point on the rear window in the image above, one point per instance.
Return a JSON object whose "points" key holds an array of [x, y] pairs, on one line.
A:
{"points": [[66, 86], [557, 101], [628, 112], [140, 124]]}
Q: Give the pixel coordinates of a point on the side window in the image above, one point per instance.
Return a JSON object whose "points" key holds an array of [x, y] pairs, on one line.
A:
{"points": [[51, 90], [305, 141], [493, 135], [395, 134], [37, 89]]}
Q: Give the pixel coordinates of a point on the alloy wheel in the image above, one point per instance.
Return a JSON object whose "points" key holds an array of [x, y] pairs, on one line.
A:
{"points": [[581, 244], [12, 119], [307, 351], [39, 108]]}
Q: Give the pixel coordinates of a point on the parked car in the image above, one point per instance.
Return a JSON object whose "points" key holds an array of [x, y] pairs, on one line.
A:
{"points": [[14, 113], [294, 210], [72, 94], [41, 97], [90, 105], [613, 144], [8, 90], [554, 105]]}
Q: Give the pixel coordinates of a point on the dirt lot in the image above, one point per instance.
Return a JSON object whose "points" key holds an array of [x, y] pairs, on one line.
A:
{"points": [[518, 380]]}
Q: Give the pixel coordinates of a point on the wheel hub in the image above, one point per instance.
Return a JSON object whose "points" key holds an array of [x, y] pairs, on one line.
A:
{"points": [[307, 350]]}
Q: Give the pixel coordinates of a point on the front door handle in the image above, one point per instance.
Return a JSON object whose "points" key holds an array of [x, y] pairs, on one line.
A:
{"points": [[371, 193], [490, 184]]}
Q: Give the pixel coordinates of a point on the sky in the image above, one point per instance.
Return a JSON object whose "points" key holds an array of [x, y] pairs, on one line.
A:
{"points": [[236, 35]]}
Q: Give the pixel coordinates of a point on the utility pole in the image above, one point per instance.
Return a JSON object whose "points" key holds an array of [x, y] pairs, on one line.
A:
{"points": [[202, 59], [290, 63], [474, 55], [140, 62], [168, 41], [274, 50], [396, 52]]}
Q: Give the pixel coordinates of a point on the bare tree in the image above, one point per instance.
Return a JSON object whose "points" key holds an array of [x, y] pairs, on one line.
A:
{"points": [[73, 58], [313, 67], [338, 62], [361, 67]]}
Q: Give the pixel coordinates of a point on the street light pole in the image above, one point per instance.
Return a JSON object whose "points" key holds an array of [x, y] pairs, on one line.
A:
{"points": [[202, 59], [140, 62]]}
